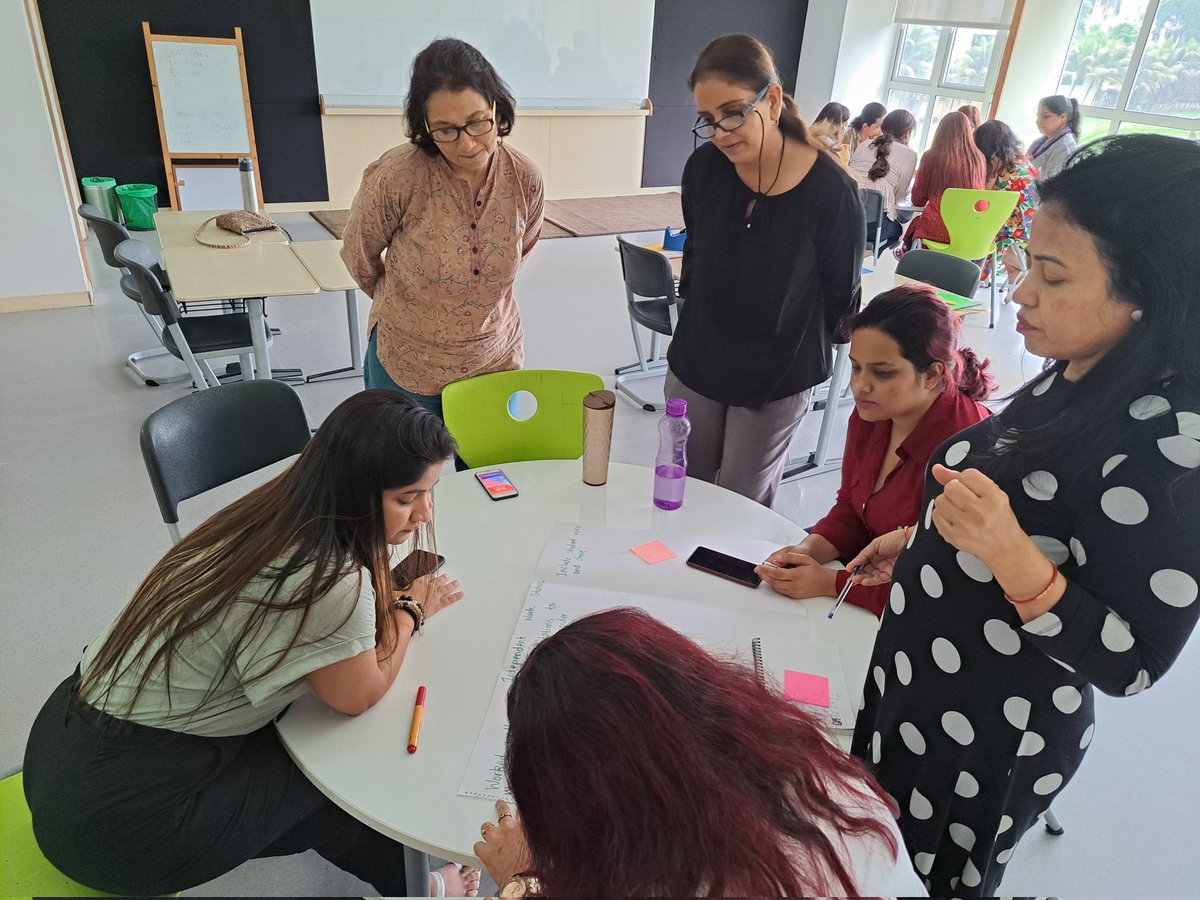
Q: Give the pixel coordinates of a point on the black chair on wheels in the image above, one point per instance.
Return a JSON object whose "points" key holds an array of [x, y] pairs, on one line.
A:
{"points": [[950, 273], [653, 304], [872, 204], [208, 438]]}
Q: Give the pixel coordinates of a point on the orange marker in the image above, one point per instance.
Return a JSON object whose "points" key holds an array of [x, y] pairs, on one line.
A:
{"points": [[418, 713]]}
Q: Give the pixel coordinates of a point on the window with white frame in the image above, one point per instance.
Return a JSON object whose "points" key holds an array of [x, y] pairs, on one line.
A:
{"points": [[937, 68], [1134, 66]]}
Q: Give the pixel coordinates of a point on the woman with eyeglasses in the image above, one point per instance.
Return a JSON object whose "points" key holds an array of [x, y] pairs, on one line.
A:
{"points": [[775, 236], [457, 211]]}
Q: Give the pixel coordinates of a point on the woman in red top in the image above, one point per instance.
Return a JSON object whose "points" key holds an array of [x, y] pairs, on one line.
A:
{"points": [[952, 161], [913, 387]]}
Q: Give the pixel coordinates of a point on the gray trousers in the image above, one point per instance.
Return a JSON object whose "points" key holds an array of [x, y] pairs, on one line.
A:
{"points": [[740, 448]]}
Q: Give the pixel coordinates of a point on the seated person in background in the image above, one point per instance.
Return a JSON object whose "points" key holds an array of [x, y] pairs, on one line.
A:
{"points": [[867, 125], [887, 164], [1058, 120], [156, 766], [913, 387], [645, 767], [971, 111], [830, 126], [1008, 170], [952, 161]]}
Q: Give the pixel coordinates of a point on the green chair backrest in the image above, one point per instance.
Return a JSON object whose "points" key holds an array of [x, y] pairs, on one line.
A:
{"points": [[477, 414], [24, 872], [973, 231]]}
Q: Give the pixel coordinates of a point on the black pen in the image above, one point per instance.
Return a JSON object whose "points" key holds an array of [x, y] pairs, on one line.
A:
{"points": [[845, 590]]}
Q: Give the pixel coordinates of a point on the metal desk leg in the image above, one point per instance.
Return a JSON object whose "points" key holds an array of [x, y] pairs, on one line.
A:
{"points": [[354, 370], [258, 336], [416, 872], [818, 461]]}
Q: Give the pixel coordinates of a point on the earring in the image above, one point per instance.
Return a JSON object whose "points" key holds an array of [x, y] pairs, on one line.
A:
{"points": [[1136, 315]]}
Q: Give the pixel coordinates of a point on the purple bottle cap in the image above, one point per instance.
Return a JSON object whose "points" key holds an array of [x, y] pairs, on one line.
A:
{"points": [[676, 406]]}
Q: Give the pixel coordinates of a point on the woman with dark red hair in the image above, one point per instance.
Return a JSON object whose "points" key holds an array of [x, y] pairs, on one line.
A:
{"points": [[643, 766], [952, 161], [913, 388]]}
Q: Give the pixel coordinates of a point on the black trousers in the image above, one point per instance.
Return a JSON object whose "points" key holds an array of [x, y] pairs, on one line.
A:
{"points": [[128, 809]]}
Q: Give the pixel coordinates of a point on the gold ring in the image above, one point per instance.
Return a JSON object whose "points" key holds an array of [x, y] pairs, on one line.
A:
{"points": [[503, 816], [483, 829]]}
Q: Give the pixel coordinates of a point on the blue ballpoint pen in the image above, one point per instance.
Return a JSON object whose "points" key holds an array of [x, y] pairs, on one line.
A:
{"points": [[845, 590]]}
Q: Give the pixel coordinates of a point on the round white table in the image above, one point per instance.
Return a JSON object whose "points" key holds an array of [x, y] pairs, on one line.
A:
{"points": [[492, 548]]}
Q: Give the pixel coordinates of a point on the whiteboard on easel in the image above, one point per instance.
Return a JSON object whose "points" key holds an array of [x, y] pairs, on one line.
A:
{"points": [[203, 103]]}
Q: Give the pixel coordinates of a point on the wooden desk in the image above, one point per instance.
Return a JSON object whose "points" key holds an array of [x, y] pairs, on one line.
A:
{"points": [[251, 273], [324, 263], [178, 229]]}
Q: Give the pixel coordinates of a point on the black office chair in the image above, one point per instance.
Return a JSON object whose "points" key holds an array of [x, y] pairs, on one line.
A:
{"points": [[872, 204], [109, 234], [209, 438], [653, 304], [958, 276]]}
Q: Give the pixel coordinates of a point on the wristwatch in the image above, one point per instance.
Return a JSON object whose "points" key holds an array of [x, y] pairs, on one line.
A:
{"points": [[520, 886], [413, 608]]}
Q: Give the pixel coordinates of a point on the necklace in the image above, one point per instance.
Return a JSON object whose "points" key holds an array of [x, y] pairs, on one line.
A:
{"points": [[778, 168]]}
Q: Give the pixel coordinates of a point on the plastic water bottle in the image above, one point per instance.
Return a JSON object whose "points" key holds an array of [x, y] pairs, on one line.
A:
{"points": [[670, 468]]}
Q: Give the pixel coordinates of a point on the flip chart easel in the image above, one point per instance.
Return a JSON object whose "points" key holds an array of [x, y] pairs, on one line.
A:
{"points": [[202, 102]]}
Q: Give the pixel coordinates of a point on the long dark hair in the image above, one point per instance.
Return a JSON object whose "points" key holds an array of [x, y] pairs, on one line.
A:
{"points": [[834, 112], [896, 124], [744, 60], [999, 146], [927, 332], [695, 777], [325, 513], [971, 111], [952, 160], [1060, 105], [870, 113], [1116, 189], [453, 65]]}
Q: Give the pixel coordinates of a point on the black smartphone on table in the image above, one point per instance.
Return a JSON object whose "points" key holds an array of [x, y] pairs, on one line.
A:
{"points": [[416, 565], [725, 566], [496, 483]]}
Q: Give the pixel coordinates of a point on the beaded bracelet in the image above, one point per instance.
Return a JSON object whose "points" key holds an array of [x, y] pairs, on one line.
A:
{"points": [[1042, 593]]}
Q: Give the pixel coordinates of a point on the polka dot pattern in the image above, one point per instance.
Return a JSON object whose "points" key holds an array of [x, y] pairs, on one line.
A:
{"points": [[958, 727], [1040, 485], [1139, 684], [1016, 711], [1086, 739], [919, 807], [879, 679], [1115, 633], [1052, 548], [1077, 552], [1189, 424], [896, 596], [1181, 450], [957, 452], [913, 739], [923, 862], [1031, 744], [1004, 856], [973, 567], [1047, 784], [1067, 699], [1047, 625], [970, 875], [962, 835], [929, 516], [1111, 463], [966, 786], [876, 740], [931, 582], [1044, 385], [903, 668], [1006, 823], [1001, 637], [1124, 505], [1149, 407], [1174, 588], [946, 656]]}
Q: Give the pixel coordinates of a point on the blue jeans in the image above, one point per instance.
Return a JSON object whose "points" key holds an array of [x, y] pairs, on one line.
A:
{"points": [[376, 376]]}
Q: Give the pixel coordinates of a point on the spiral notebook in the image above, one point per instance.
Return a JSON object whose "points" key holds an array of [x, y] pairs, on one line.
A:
{"points": [[809, 673]]}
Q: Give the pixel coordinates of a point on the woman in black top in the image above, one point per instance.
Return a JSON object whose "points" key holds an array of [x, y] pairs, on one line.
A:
{"points": [[1057, 550], [775, 236]]}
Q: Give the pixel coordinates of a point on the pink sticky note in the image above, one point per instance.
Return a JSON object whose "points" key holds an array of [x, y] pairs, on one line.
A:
{"points": [[654, 552], [804, 688]]}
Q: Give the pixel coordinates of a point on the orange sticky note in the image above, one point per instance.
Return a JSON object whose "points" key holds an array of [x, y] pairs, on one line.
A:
{"points": [[805, 688], [654, 552]]}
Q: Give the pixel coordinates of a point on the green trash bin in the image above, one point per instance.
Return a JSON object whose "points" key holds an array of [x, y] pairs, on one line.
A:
{"points": [[99, 192], [139, 203]]}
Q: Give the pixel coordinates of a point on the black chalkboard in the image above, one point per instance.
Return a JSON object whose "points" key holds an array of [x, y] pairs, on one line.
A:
{"points": [[98, 57], [682, 28]]}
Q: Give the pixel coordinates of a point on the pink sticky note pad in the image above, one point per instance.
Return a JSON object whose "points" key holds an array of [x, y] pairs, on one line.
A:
{"points": [[654, 552], [804, 688]]}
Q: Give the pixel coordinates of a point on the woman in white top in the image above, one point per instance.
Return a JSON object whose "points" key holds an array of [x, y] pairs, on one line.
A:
{"points": [[1058, 121], [156, 766], [866, 125], [887, 164], [643, 766]]}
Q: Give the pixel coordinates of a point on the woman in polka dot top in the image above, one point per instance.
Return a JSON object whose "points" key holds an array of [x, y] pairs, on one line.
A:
{"points": [[1055, 551]]}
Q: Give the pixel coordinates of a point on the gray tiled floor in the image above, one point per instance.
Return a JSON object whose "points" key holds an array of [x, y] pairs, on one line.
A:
{"points": [[79, 528]]}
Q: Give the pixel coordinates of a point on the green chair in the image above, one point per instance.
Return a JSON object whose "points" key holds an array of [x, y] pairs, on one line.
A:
{"points": [[973, 219], [24, 872], [476, 412]]}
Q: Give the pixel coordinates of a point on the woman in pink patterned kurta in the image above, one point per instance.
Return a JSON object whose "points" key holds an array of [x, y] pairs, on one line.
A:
{"points": [[1008, 170], [457, 211]]}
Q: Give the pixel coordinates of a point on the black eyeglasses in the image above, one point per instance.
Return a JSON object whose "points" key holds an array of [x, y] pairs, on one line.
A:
{"points": [[478, 128], [731, 122]]}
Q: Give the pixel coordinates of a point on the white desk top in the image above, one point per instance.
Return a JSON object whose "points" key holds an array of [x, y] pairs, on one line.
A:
{"points": [[260, 270], [177, 228], [324, 264], [492, 548]]}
